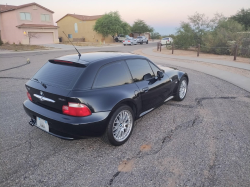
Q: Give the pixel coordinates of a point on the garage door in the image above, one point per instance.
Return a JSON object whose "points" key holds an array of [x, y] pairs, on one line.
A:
{"points": [[41, 38]]}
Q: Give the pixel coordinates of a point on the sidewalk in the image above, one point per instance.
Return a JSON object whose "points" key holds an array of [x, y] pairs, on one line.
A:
{"points": [[240, 65], [234, 78]]}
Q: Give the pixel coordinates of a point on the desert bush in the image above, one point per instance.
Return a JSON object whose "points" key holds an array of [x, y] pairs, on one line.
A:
{"points": [[223, 38], [1, 42]]}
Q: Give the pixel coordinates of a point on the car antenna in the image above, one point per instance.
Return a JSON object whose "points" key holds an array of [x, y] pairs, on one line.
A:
{"points": [[79, 54]]}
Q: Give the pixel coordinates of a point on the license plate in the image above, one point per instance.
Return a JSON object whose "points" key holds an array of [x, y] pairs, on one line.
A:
{"points": [[42, 124]]}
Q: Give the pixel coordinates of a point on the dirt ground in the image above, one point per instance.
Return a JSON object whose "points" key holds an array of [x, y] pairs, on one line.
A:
{"points": [[20, 47], [202, 55]]}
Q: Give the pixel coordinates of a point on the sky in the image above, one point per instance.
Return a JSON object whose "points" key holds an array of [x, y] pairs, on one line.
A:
{"points": [[163, 15]]}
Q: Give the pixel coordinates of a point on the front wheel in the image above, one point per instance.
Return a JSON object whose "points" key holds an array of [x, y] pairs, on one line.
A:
{"points": [[120, 126], [181, 90], [147, 42]]}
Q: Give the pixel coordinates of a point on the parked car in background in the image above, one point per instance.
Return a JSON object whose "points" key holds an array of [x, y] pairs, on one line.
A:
{"points": [[129, 41], [120, 37], [99, 94], [167, 40], [142, 39]]}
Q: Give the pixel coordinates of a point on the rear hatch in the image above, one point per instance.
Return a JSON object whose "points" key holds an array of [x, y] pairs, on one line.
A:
{"points": [[50, 86]]}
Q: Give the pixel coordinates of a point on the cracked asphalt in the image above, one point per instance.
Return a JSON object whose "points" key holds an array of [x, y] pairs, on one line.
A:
{"points": [[201, 141]]}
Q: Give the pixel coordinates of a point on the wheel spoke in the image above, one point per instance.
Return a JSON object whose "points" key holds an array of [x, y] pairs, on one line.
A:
{"points": [[122, 125]]}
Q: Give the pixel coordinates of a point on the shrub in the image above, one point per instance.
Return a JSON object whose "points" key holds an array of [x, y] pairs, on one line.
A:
{"points": [[1, 42]]}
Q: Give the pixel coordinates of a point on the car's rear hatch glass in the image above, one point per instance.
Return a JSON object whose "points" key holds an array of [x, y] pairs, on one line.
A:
{"points": [[59, 75], [59, 80]]}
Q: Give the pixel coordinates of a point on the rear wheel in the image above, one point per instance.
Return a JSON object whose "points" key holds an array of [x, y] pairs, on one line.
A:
{"points": [[147, 42], [181, 90], [120, 126], [124, 44]]}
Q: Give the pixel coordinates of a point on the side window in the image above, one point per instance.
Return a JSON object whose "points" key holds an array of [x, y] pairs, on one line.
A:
{"points": [[154, 68], [113, 74], [139, 68]]}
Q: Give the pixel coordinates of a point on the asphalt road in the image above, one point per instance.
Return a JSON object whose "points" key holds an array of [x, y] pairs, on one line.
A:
{"points": [[201, 141]]}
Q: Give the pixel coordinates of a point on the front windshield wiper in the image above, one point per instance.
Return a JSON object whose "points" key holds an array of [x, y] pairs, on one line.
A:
{"points": [[44, 85]]}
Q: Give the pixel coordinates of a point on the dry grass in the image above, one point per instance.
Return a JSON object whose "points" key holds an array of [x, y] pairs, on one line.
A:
{"points": [[20, 47], [95, 44], [192, 53]]}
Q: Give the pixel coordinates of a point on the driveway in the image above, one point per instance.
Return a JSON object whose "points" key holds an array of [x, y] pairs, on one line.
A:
{"points": [[201, 141]]}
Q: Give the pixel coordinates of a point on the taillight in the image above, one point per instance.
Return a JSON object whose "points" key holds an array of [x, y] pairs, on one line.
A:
{"points": [[29, 96], [76, 109], [129, 41], [124, 41]]}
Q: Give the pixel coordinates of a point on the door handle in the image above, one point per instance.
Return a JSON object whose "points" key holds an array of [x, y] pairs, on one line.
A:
{"points": [[145, 89]]}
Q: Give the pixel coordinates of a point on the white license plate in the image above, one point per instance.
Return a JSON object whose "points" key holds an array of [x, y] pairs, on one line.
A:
{"points": [[42, 124]]}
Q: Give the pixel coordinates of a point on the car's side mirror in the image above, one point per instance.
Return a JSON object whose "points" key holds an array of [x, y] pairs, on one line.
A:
{"points": [[147, 76], [160, 74]]}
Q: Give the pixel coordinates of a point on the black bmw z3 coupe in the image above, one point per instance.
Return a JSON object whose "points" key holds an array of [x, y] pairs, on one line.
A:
{"points": [[99, 94]]}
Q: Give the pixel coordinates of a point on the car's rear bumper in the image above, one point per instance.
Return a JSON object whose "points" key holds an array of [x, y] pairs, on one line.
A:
{"points": [[128, 43], [69, 127]]}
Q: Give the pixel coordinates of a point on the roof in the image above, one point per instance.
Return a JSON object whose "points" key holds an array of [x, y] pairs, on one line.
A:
{"points": [[82, 17], [6, 8], [87, 58], [37, 26]]}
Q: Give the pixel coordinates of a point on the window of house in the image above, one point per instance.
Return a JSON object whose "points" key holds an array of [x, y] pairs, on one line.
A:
{"points": [[76, 28], [25, 16], [113, 74], [139, 68], [69, 35], [45, 17]]}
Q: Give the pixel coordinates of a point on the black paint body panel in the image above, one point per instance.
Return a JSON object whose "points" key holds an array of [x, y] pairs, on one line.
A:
{"points": [[102, 101]]}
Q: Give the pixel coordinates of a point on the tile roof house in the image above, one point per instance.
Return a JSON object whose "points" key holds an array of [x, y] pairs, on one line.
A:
{"points": [[27, 24], [80, 28]]}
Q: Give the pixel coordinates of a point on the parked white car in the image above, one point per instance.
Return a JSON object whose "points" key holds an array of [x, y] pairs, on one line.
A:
{"points": [[129, 41], [167, 40], [142, 39], [120, 37]]}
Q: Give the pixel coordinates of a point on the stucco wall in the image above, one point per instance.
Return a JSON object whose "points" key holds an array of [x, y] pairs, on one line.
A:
{"points": [[85, 30], [12, 34]]}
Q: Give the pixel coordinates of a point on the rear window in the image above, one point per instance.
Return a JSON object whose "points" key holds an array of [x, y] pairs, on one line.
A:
{"points": [[59, 75], [139, 37]]}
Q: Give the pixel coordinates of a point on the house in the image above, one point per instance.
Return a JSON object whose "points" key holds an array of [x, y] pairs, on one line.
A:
{"points": [[80, 28], [27, 24]]}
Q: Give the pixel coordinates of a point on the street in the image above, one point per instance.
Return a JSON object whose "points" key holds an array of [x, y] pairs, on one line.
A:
{"points": [[202, 141]]}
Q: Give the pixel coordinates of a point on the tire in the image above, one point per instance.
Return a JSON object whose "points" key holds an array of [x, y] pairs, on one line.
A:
{"points": [[147, 42], [181, 94], [116, 40], [141, 43], [109, 137], [124, 44]]}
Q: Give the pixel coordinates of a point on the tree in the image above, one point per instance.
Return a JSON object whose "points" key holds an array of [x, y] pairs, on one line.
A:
{"points": [[184, 36], [243, 17], [32, 35], [140, 27], [111, 24], [155, 35], [199, 24]]}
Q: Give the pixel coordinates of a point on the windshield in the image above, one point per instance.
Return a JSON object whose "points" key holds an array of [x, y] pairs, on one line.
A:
{"points": [[139, 37]]}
